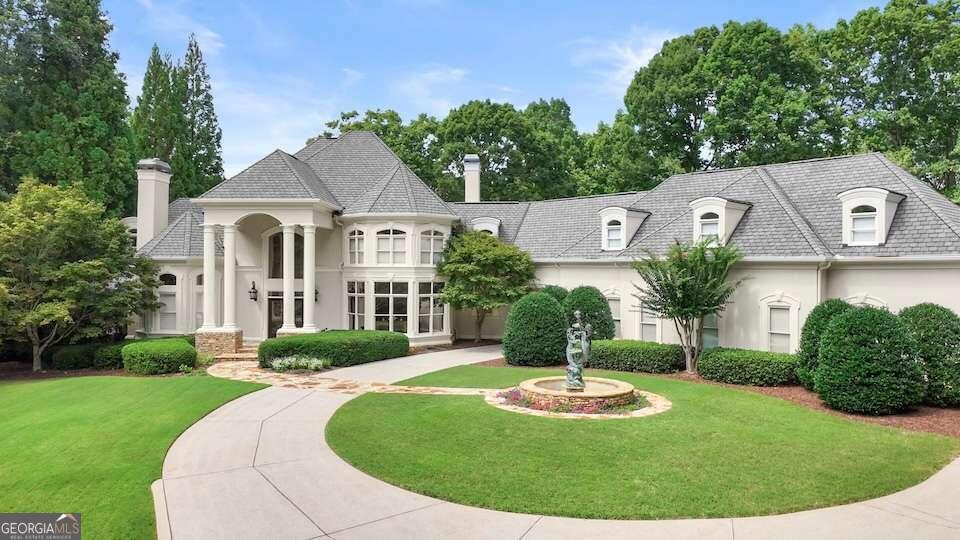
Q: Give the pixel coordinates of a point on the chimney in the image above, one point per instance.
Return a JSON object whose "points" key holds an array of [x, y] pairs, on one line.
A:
{"points": [[153, 197], [471, 178]]}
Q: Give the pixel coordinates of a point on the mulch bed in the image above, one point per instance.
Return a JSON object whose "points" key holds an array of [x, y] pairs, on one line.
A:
{"points": [[458, 344], [927, 419], [16, 371]]}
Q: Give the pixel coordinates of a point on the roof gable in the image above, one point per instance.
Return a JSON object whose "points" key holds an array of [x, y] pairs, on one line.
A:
{"points": [[399, 191]]}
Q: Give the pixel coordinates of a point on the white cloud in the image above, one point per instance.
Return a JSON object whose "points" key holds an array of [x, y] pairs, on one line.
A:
{"points": [[615, 61], [429, 89], [168, 19]]}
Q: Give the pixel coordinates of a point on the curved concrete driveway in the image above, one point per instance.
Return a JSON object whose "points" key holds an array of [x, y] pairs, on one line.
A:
{"points": [[259, 467]]}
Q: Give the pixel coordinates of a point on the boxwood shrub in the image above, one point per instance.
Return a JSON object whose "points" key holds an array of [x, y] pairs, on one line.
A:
{"points": [[634, 355], [813, 329], [109, 356], [341, 347], [741, 366], [535, 333], [79, 356], [937, 332], [869, 363], [556, 291], [594, 309], [153, 357]]}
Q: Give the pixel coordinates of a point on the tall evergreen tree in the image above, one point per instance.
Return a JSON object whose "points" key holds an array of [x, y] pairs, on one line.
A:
{"points": [[157, 121], [72, 127]]}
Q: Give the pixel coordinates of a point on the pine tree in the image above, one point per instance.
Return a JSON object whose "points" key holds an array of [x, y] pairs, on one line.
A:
{"points": [[73, 125], [157, 121]]}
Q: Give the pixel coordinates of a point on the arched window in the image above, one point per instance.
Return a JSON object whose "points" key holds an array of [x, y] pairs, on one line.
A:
{"points": [[614, 234], [199, 280], [431, 247], [275, 249], [863, 224], [355, 246], [391, 246], [710, 227], [780, 323], [168, 279], [167, 312]]}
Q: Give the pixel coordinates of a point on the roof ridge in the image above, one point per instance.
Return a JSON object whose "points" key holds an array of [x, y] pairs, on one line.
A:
{"points": [[387, 179], [813, 240], [523, 219], [743, 167], [402, 171], [886, 163], [164, 233], [286, 163], [248, 167], [333, 141]]}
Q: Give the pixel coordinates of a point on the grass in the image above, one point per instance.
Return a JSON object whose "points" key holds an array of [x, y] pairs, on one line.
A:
{"points": [[95, 444], [718, 452]]}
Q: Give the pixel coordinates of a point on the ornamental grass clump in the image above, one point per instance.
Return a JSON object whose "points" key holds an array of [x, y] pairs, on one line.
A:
{"points": [[869, 363], [937, 332]]}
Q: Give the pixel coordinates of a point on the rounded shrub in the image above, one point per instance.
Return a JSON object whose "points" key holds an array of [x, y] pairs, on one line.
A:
{"points": [[633, 355], [158, 356], [937, 332], [813, 329], [869, 363], [740, 366], [109, 356], [535, 333], [80, 356], [594, 309], [556, 291], [340, 347]]}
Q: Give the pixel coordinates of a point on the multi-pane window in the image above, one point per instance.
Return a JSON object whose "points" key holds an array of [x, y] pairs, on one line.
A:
{"points": [[355, 247], [431, 247], [614, 234], [648, 324], [614, 304], [167, 313], [863, 228], [430, 309], [391, 246], [710, 227], [779, 331], [199, 302], [356, 304], [390, 305], [711, 331], [276, 256]]}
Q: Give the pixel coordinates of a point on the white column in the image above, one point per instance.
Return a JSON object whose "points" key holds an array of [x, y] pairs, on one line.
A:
{"points": [[209, 276], [309, 276], [289, 322], [230, 277]]}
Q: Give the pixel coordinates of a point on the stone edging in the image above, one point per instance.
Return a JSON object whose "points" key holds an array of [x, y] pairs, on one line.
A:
{"points": [[658, 404]]}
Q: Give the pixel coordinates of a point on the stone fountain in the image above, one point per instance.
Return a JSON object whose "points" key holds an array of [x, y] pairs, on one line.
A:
{"points": [[575, 390]]}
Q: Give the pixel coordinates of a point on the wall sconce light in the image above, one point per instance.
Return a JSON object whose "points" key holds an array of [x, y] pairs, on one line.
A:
{"points": [[316, 295], [253, 291]]}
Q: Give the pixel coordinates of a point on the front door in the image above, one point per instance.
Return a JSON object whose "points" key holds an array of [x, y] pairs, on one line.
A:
{"points": [[275, 314]]}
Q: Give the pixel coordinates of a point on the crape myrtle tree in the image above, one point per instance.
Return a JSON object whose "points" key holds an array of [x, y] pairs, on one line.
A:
{"points": [[68, 272], [484, 274], [690, 282]]}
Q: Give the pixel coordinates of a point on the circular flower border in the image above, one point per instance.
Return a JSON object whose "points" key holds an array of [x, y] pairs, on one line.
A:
{"points": [[657, 404]]}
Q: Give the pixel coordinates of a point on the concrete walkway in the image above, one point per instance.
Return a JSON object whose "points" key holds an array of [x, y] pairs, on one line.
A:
{"points": [[259, 467]]}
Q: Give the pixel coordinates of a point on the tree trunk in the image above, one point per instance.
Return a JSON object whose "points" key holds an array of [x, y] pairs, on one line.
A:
{"points": [[36, 356], [481, 315]]}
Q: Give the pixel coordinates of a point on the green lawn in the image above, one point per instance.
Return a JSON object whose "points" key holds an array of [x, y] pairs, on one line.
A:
{"points": [[95, 444], [718, 452]]}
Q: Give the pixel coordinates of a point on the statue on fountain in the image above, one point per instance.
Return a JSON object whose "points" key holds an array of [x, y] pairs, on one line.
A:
{"points": [[578, 352]]}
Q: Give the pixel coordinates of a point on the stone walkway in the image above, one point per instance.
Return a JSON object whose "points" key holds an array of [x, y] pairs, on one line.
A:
{"points": [[259, 467]]}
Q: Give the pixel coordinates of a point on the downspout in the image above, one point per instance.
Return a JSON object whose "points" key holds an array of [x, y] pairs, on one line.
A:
{"points": [[822, 279]]}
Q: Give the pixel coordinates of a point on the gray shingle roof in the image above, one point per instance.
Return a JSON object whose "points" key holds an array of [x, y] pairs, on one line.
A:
{"points": [[183, 237], [399, 191], [510, 214], [277, 176]]}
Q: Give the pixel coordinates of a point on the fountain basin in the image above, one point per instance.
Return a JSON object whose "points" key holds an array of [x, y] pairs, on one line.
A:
{"points": [[550, 392]]}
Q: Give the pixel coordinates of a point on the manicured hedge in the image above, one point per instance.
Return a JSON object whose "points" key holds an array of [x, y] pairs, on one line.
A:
{"points": [[813, 329], [633, 355], [341, 347], [937, 332], [109, 356], [741, 366], [869, 363], [535, 333], [75, 356], [153, 357], [594, 309], [556, 291]]}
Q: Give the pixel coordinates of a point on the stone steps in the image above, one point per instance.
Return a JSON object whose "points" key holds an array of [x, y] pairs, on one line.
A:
{"points": [[241, 355]]}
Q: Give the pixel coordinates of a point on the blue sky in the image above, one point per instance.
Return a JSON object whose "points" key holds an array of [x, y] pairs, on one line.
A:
{"points": [[281, 69]]}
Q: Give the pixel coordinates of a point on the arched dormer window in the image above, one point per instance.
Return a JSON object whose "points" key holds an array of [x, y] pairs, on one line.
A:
{"points": [[716, 218], [355, 246], [431, 246], [868, 213], [391, 246], [863, 225], [486, 224], [613, 234], [709, 225]]}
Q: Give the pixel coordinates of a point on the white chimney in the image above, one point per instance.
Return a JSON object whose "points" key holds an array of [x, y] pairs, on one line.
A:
{"points": [[153, 197], [471, 178]]}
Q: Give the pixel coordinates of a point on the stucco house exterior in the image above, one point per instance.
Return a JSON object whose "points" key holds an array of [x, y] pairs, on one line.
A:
{"points": [[342, 234]]}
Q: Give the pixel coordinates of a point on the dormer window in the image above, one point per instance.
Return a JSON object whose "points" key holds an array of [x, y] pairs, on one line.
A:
{"points": [[486, 224], [867, 215], [614, 234], [715, 218], [710, 227]]}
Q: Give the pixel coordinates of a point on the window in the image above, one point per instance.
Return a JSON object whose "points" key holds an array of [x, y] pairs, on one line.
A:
{"points": [[614, 304], [168, 279], [430, 308], [355, 247], [276, 256], [431, 247], [710, 227], [391, 246], [614, 234], [648, 324], [863, 225], [198, 316], [167, 313], [356, 308], [199, 280], [711, 332], [779, 330], [390, 306]]}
